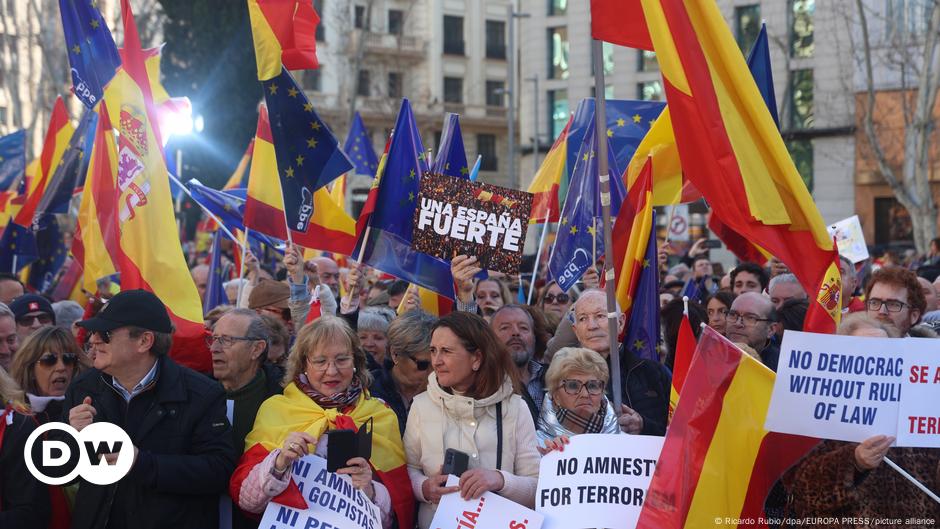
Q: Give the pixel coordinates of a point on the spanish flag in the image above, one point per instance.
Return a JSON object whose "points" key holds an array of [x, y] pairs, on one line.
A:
{"points": [[631, 236], [546, 184], [431, 302], [669, 185], [57, 140], [284, 32], [718, 461], [685, 349], [730, 147]]}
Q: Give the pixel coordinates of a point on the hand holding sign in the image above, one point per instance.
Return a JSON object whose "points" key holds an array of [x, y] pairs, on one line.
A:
{"points": [[489, 511], [295, 447], [872, 451], [630, 420], [435, 487], [463, 268], [473, 483]]}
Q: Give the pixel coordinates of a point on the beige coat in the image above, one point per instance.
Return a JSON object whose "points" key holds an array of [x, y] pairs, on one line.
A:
{"points": [[439, 420]]}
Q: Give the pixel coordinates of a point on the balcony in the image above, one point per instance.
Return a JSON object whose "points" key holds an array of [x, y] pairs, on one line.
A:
{"points": [[397, 46]]}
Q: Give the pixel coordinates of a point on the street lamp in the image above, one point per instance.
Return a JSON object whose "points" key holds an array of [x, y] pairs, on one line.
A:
{"points": [[535, 124]]}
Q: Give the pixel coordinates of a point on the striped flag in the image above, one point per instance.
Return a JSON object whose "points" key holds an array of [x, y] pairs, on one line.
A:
{"points": [[546, 185], [685, 349], [284, 32]]}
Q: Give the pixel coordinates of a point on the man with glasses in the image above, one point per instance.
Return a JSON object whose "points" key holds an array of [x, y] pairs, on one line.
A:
{"points": [[894, 296], [175, 417], [515, 328], [32, 312], [9, 341], [752, 320]]}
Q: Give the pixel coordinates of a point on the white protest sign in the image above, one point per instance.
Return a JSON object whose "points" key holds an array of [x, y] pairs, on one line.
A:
{"points": [[332, 502], [679, 223], [850, 239], [851, 388], [600, 480], [489, 511], [918, 414]]}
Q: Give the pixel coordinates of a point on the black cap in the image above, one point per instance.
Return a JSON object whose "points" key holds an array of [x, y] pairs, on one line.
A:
{"points": [[137, 308], [27, 303]]}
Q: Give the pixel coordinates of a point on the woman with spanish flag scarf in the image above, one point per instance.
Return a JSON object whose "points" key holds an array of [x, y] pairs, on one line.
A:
{"points": [[327, 389]]}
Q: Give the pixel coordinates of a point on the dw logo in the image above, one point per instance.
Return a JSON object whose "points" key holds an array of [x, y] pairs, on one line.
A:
{"points": [[71, 453]]}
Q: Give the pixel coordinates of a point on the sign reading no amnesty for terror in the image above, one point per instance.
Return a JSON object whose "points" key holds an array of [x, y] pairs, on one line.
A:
{"points": [[459, 217]]}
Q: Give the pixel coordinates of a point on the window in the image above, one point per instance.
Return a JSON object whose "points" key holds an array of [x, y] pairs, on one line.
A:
{"points": [[608, 91], [495, 39], [360, 17], [650, 91], [894, 221], [607, 56], [321, 27], [557, 7], [801, 151], [646, 61], [453, 35], [453, 90], [396, 21], [486, 147], [801, 28], [746, 25], [395, 85], [906, 18], [494, 93], [312, 80], [558, 53], [557, 110], [801, 99], [362, 87]]}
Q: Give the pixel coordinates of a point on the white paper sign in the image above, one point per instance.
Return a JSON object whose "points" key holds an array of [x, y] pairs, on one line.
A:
{"points": [[851, 388], [850, 239], [332, 502], [489, 511], [679, 226], [919, 414], [600, 480]]}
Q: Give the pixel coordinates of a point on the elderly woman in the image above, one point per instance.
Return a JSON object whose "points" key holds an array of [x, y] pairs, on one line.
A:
{"points": [[326, 388], [575, 402], [44, 366], [372, 330], [471, 405]]}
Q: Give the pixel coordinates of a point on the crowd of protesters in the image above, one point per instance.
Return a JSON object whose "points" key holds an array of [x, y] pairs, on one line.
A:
{"points": [[305, 346]]}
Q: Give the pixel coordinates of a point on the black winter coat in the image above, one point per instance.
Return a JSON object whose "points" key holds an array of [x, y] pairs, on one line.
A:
{"points": [[24, 501], [646, 387]]}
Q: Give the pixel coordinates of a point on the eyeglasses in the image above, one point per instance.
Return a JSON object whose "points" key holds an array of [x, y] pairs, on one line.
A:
{"points": [[322, 364], [893, 305], [559, 299], [573, 387], [51, 359], [717, 313], [749, 319], [26, 321], [228, 341]]}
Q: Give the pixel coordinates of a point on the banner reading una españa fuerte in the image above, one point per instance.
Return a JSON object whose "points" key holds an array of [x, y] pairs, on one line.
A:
{"points": [[458, 217]]}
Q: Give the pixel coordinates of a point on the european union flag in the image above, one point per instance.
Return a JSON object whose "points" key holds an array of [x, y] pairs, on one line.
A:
{"points": [[580, 239], [229, 207], [643, 328], [308, 155], [358, 147], [215, 293], [52, 252], [17, 248], [628, 121], [758, 61], [388, 247], [72, 170], [92, 54], [451, 159], [12, 158]]}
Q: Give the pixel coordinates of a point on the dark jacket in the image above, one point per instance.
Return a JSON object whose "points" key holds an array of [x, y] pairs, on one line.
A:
{"points": [[770, 355], [383, 386], [185, 454], [646, 386], [24, 501]]}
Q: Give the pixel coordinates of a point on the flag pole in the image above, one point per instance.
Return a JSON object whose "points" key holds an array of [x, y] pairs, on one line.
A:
{"points": [[912, 479], [241, 269], [14, 262], [538, 255], [600, 129], [211, 215]]}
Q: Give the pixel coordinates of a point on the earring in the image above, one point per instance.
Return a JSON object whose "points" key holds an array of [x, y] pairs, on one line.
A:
{"points": [[354, 370]]}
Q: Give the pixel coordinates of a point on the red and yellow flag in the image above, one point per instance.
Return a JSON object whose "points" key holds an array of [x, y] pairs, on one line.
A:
{"points": [[284, 32], [718, 461], [669, 185], [547, 181], [57, 140], [631, 234], [729, 145], [685, 349]]}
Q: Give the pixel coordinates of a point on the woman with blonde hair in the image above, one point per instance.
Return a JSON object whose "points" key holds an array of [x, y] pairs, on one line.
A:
{"points": [[44, 366], [326, 388]]}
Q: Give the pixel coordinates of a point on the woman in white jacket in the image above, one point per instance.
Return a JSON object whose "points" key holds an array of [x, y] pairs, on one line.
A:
{"points": [[471, 406]]}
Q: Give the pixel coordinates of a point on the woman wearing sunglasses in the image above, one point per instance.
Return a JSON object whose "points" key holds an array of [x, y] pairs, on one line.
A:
{"points": [[555, 303], [44, 366], [575, 402]]}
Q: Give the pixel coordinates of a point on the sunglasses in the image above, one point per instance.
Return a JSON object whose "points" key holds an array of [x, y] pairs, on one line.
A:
{"points": [[51, 359], [421, 365], [560, 298], [26, 321]]}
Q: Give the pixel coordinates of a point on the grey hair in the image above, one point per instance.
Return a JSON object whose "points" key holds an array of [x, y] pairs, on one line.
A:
{"points": [[782, 278], [410, 333], [257, 329], [375, 319], [5, 311], [599, 291], [67, 312]]}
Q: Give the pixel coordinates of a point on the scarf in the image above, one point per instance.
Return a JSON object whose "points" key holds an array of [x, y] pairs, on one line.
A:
{"points": [[341, 400], [550, 423]]}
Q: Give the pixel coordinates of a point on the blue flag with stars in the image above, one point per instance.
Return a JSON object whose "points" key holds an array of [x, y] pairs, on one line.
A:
{"points": [[12, 158], [358, 147], [17, 248], [580, 238], [758, 61], [93, 56], [52, 252], [72, 169], [308, 155], [643, 327], [386, 244], [229, 207], [451, 159], [215, 292]]}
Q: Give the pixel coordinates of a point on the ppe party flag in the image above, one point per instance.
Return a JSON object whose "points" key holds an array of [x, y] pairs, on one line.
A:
{"points": [[631, 237], [546, 185], [387, 220], [215, 292], [12, 158], [93, 57], [730, 147], [358, 147], [451, 159], [284, 32], [642, 333], [150, 256], [718, 462], [620, 23], [239, 179]]}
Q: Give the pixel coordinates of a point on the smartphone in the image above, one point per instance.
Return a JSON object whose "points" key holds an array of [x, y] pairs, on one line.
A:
{"points": [[341, 447], [712, 243], [455, 462]]}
